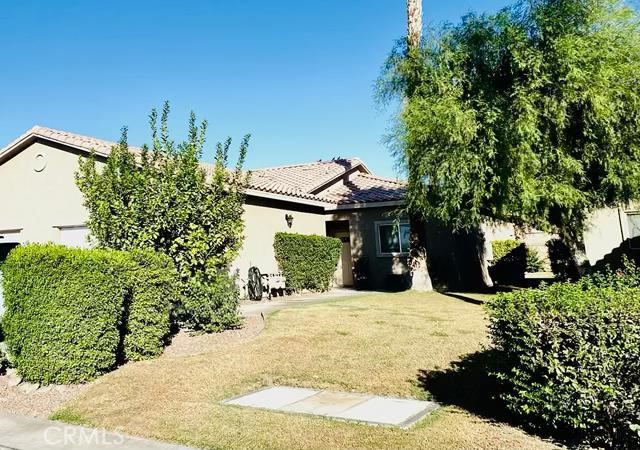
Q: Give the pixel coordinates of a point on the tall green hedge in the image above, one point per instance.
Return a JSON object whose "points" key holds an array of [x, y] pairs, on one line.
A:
{"points": [[570, 357], [307, 261], [73, 314], [153, 289], [63, 310]]}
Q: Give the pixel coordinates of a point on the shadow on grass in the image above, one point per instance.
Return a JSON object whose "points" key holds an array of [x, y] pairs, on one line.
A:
{"points": [[468, 385], [465, 298]]}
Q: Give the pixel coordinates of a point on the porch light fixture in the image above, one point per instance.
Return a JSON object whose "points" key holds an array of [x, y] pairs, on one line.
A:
{"points": [[289, 219]]}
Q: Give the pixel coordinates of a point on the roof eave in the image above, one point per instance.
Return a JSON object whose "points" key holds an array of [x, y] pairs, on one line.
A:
{"points": [[287, 198], [31, 137], [362, 205]]}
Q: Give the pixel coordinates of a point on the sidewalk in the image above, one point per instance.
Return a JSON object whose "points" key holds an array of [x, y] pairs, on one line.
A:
{"points": [[248, 307], [27, 433]]}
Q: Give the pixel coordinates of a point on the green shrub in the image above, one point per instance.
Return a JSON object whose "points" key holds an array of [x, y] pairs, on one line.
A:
{"points": [[307, 261], [570, 357], [63, 309], [154, 288], [210, 307], [504, 248], [73, 314], [509, 262], [563, 262], [534, 263]]}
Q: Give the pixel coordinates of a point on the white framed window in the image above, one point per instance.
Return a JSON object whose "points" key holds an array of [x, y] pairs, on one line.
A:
{"points": [[392, 238]]}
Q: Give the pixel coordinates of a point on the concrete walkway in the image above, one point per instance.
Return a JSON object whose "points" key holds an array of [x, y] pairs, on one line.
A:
{"points": [[264, 306], [365, 408], [27, 433]]}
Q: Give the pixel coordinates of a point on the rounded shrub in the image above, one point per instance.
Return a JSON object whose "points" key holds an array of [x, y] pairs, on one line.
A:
{"points": [[570, 357], [75, 314], [153, 289], [63, 311], [307, 261], [211, 306]]}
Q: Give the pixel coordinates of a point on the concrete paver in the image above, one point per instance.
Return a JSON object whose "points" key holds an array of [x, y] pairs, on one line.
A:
{"points": [[326, 403], [384, 410], [273, 398], [366, 408]]}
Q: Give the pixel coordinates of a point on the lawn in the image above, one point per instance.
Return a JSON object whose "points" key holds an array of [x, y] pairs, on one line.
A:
{"points": [[395, 344]]}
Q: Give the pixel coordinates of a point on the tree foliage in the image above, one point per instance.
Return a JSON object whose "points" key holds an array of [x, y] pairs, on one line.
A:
{"points": [[530, 116], [163, 198]]}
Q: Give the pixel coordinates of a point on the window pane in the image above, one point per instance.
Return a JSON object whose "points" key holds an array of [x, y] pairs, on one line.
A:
{"points": [[405, 232], [389, 242]]}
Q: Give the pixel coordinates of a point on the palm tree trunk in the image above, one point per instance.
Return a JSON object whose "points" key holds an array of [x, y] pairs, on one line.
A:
{"points": [[420, 278], [414, 23]]}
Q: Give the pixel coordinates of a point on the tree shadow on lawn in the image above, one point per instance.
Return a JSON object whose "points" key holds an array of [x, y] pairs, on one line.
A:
{"points": [[468, 385]]}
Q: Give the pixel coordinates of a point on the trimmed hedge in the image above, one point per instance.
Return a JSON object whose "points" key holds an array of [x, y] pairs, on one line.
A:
{"points": [[153, 287], [570, 357], [63, 309], [307, 261], [503, 248], [73, 314], [210, 307]]}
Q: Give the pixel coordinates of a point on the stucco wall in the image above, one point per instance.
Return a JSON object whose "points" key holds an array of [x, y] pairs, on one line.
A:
{"points": [[385, 272], [36, 201], [263, 219], [603, 233]]}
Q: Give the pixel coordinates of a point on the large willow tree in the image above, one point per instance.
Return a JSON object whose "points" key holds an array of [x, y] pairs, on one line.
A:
{"points": [[530, 116]]}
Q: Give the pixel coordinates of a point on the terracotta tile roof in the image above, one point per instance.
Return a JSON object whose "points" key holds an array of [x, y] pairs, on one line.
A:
{"points": [[101, 147], [301, 180], [304, 181], [365, 188], [337, 181]]}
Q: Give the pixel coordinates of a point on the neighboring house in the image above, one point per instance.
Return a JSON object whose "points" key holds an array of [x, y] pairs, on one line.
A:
{"points": [[339, 198]]}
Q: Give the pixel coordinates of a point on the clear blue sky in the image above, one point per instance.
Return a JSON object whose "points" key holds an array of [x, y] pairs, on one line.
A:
{"points": [[296, 75]]}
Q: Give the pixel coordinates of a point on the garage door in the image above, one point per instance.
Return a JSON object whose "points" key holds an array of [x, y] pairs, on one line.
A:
{"points": [[74, 236]]}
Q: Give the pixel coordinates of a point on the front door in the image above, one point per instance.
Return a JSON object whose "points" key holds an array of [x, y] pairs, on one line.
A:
{"points": [[347, 263]]}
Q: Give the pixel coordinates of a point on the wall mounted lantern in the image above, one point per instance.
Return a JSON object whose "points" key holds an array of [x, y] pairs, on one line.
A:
{"points": [[289, 219]]}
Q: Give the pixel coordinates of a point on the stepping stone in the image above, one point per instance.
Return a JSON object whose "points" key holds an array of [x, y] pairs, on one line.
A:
{"points": [[326, 403], [273, 398], [365, 408], [389, 411]]}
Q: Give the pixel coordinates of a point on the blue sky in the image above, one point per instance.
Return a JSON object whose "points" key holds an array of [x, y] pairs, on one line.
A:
{"points": [[296, 75]]}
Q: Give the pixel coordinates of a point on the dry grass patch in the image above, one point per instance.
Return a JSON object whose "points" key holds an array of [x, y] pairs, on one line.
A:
{"points": [[380, 344]]}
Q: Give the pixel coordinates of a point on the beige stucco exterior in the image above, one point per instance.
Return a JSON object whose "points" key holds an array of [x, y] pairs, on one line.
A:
{"points": [[606, 230], [263, 219], [39, 193]]}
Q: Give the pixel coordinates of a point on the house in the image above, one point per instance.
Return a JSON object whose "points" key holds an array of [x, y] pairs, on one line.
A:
{"points": [[339, 198]]}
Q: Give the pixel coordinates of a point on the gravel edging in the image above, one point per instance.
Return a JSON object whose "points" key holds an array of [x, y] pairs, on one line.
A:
{"points": [[188, 344], [30, 400]]}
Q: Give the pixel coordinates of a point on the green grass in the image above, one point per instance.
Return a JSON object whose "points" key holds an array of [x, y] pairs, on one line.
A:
{"points": [[397, 344]]}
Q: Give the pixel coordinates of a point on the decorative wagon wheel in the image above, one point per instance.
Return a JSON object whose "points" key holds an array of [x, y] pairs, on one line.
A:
{"points": [[254, 284]]}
